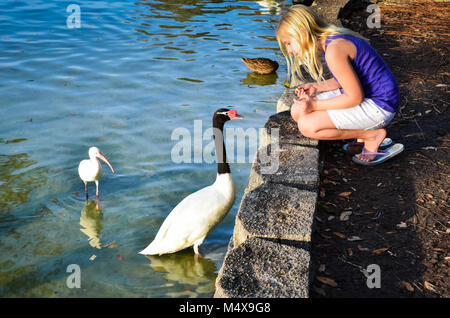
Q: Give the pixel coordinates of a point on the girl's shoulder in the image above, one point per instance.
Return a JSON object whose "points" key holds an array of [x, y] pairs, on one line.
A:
{"points": [[338, 46]]}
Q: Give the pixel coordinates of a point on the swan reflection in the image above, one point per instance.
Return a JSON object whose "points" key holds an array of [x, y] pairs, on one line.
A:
{"points": [[91, 222], [184, 268]]}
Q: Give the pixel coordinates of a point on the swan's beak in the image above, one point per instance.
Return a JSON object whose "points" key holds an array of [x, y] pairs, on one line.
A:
{"points": [[238, 116], [100, 155]]}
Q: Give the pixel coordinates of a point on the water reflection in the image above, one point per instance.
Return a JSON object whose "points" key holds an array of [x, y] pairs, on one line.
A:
{"points": [[260, 79], [184, 268], [269, 7], [188, 55], [183, 11], [16, 181], [91, 222]]}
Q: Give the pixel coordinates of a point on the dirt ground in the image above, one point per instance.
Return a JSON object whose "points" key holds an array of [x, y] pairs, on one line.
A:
{"points": [[396, 214]]}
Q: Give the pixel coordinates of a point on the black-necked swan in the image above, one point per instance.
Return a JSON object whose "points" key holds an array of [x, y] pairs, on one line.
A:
{"points": [[196, 215], [91, 170]]}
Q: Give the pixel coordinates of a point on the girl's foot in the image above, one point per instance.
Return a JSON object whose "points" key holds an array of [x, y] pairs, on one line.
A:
{"points": [[372, 143]]}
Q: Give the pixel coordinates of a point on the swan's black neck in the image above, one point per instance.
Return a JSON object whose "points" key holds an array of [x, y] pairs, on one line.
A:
{"points": [[222, 165]]}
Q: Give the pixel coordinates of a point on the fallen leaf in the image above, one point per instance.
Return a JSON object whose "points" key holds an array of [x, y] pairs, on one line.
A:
{"points": [[362, 249], [109, 244], [380, 250], [327, 281], [345, 194], [342, 236], [354, 238], [350, 252], [62, 214], [93, 257], [429, 286], [402, 225], [322, 245], [345, 216], [429, 196], [120, 258], [437, 249], [408, 286], [325, 236], [76, 194]]}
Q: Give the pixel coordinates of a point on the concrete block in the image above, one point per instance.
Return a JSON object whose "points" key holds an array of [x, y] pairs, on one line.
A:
{"points": [[286, 99], [329, 10], [287, 131], [275, 211], [266, 269], [287, 164]]}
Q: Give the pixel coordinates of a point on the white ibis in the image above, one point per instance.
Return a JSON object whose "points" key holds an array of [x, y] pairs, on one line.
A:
{"points": [[91, 170], [196, 215]]}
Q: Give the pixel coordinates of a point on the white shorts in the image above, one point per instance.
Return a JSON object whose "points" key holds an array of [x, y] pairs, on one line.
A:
{"points": [[366, 115]]}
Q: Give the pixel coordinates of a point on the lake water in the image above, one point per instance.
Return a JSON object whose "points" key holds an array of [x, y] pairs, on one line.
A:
{"points": [[124, 81]]}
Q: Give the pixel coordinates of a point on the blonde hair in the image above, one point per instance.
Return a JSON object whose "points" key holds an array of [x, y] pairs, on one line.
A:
{"points": [[295, 21]]}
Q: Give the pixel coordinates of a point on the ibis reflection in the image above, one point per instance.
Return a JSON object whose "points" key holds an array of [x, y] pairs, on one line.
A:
{"points": [[91, 222]]}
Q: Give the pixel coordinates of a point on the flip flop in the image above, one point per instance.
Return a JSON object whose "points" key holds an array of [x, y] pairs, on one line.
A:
{"points": [[382, 156], [359, 145]]}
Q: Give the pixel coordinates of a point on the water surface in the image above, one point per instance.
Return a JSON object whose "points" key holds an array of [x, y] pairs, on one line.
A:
{"points": [[124, 81]]}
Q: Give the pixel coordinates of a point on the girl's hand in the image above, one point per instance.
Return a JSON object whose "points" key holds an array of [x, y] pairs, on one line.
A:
{"points": [[304, 103], [309, 89]]}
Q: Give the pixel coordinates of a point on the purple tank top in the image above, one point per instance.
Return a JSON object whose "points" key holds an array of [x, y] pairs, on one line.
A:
{"points": [[376, 79]]}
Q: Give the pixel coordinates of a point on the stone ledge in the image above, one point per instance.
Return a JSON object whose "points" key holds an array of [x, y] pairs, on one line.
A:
{"points": [[264, 268], [288, 164], [287, 131], [271, 266], [275, 211], [287, 99]]}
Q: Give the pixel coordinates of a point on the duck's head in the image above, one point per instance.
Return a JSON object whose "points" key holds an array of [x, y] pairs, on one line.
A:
{"points": [[223, 115]]}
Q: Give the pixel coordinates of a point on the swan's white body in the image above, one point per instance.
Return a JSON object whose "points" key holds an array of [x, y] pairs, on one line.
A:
{"points": [[194, 217]]}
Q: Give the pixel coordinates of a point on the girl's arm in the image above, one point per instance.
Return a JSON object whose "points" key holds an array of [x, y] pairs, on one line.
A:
{"points": [[328, 85], [338, 57]]}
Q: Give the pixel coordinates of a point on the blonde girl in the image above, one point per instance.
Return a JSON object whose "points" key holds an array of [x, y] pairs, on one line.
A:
{"points": [[360, 99]]}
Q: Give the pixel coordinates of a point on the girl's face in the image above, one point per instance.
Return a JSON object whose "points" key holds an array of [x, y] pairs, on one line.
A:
{"points": [[291, 44]]}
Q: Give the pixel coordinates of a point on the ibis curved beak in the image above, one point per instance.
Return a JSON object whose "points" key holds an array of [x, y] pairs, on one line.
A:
{"points": [[100, 155]]}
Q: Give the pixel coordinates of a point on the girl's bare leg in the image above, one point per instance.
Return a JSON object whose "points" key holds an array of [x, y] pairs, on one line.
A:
{"points": [[318, 125]]}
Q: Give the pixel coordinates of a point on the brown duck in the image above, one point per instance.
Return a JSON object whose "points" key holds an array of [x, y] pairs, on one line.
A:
{"points": [[261, 65]]}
